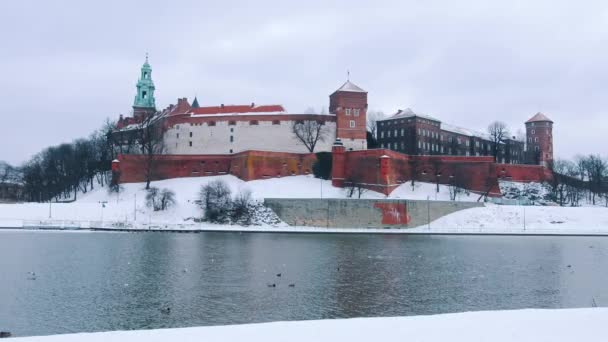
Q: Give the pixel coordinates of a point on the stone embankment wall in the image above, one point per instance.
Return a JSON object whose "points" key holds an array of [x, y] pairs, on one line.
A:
{"points": [[362, 213]]}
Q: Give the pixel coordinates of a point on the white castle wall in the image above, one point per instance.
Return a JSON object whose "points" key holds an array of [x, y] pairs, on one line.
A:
{"points": [[261, 137]]}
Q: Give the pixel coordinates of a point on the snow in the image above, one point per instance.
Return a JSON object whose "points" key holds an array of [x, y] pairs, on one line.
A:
{"points": [[128, 210], [351, 87], [496, 326]]}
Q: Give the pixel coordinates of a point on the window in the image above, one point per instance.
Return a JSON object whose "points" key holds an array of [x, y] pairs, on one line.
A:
{"points": [[190, 143], [536, 148], [419, 132], [356, 110], [231, 130], [388, 134], [231, 138], [536, 139], [402, 132], [253, 122], [402, 145], [177, 136], [396, 133], [477, 143], [347, 111], [231, 123], [352, 123], [381, 135], [211, 123], [230, 150], [276, 122], [144, 94], [533, 131], [467, 143], [190, 134], [419, 144]]}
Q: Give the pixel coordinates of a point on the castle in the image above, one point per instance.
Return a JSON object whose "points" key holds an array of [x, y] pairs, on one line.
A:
{"points": [[259, 141]]}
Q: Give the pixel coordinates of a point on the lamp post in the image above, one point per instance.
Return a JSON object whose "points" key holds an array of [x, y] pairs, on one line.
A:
{"points": [[103, 205], [50, 212]]}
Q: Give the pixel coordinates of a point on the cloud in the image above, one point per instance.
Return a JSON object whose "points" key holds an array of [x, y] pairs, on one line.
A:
{"points": [[67, 65]]}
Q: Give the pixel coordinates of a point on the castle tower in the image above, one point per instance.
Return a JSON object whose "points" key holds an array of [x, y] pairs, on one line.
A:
{"points": [[539, 140], [349, 104], [144, 103]]}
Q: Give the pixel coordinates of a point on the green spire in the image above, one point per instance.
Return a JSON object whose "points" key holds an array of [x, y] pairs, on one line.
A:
{"points": [[145, 88], [195, 103]]}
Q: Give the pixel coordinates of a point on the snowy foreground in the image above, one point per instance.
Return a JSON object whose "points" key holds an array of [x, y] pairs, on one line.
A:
{"points": [[99, 209], [496, 326]]}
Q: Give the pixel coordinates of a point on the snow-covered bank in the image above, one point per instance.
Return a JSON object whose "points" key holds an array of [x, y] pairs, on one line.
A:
{"points": [[129, 204], [99, 209], [496, 326]]}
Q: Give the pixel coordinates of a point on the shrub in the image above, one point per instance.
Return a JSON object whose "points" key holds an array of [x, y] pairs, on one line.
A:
{"points": [[242, 208], [322, 167], [159, 199], [215, 201]]}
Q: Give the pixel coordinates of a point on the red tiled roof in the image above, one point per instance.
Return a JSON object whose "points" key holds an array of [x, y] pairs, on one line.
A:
{"points": [[237, 109], [539, 117]]}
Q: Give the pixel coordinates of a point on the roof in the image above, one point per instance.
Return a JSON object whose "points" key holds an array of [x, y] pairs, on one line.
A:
{"points": [[195, 103], [464, 131], [237, 109], [351, 87], [539, 117], [409, 113]]}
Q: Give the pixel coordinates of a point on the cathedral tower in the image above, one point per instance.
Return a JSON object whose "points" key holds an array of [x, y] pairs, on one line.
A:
{"points": [[144, 103]]}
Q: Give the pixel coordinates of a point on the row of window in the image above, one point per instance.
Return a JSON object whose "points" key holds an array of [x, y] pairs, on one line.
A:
{"points": [[353, 111], [533, 131]]}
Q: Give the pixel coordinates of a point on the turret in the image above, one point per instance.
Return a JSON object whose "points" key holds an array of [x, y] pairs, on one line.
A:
{"points": [[539, 140], [144, 103], [349, 104]]}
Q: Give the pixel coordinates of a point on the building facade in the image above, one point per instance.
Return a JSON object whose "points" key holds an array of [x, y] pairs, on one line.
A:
{"points": [[419, 134], [190, 129]]}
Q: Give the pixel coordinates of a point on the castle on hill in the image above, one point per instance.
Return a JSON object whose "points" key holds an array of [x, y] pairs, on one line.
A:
{"points": [[206, 140]]}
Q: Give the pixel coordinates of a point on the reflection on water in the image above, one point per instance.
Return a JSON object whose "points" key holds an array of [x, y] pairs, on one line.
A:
{"points": [[112, 281]]}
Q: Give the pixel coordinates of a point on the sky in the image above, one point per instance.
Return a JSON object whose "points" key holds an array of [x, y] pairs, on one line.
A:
{"points": [[66, 66]]}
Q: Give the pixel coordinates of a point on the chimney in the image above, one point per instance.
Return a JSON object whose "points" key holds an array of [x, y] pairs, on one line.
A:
{"points": [[252, 104], [120, 117], [222, 106]]}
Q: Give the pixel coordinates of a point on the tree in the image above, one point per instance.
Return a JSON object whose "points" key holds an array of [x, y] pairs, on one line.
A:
{"points": [[322, 166], [498, 134], [310, 132], [372, 122], [151, 143], [355, 183], [159, 199], [216, 201]]}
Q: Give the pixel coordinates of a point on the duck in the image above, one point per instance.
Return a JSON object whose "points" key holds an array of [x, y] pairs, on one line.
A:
{"points": [[166, 310], [272, 285], [292, 285], [278, 274]]}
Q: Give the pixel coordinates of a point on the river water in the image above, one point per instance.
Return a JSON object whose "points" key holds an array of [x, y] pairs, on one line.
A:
{"points": [[119, 281]]}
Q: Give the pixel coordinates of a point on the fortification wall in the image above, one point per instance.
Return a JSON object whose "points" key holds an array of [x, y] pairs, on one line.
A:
{"points": [[362, 213]]}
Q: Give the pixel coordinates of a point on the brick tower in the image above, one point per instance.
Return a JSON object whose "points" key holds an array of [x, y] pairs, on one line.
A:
{"points": [[539, 142], [349, 104]]}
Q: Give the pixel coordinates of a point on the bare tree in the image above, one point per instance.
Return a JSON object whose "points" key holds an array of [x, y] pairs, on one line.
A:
{"points": [[355, 183], [498, 132], [310, 132], [151, 143], [372, 122]]}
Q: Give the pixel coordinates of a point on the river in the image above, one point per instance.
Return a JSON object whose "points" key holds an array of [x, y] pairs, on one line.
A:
{"points": [[97, 281]]}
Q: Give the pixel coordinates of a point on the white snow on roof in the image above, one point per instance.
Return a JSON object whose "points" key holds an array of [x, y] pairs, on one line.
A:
{"points": [[464, 131], [349, 86], [409, 113]]}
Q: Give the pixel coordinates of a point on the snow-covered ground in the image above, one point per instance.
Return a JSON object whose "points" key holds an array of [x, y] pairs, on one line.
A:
{"points": [[129, 206], [496, 326]]}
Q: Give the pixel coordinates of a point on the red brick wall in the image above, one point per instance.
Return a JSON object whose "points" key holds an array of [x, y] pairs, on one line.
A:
{"points": [[248, 165], [478, 174], [523, 173]]}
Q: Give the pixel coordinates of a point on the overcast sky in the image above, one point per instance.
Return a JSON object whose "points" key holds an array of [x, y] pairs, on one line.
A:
{"points": [[65, 66]]}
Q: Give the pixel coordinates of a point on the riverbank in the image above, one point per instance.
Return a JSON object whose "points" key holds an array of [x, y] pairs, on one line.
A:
{"points": [[496, 326]]}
